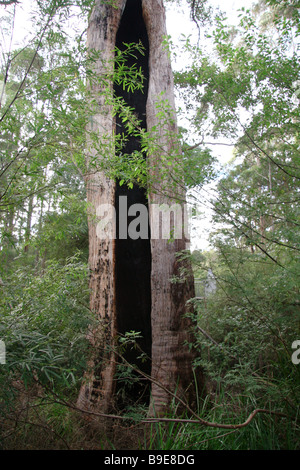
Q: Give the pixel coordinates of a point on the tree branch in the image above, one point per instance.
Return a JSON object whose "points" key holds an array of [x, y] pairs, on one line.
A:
{"points": [[149, 420], [9, 2], [28, 69]]}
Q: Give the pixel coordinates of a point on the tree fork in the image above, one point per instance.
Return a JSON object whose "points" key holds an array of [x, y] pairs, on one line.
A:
{"points": [[166, 329]]}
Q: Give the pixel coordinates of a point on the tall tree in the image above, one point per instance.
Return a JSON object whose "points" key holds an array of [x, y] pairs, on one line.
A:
{"points": [[131, 286]]}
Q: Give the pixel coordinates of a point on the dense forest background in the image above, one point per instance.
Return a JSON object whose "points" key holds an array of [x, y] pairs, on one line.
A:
{"points": [[238, 88]]}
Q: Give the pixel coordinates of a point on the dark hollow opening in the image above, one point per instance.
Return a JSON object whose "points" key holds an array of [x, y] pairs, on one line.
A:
{"points": [[133, 257]]}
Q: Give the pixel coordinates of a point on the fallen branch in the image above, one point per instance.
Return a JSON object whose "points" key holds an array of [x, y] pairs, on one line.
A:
{"points": [[196, 420], [175, 420], [149, 420]]}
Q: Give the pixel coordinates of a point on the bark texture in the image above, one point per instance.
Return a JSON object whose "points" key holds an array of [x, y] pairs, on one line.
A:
{"points": [[171, 358], [98, 387]]}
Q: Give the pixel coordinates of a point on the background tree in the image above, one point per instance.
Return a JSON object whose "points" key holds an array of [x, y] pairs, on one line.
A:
{"points": [[245, 97]]}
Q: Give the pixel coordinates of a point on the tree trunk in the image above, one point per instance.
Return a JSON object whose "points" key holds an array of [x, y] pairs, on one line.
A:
{"points": [[171, 358], [28, 224], [131, 286], [98, 388]]}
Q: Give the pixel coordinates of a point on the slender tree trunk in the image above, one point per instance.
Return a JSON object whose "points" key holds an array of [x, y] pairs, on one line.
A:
{"points": [[37, 253], [156, 306], [28, 224], [8, 229]]}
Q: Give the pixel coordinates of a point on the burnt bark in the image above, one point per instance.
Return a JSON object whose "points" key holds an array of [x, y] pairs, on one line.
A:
{"points": [[133, 257], [131, 287]]}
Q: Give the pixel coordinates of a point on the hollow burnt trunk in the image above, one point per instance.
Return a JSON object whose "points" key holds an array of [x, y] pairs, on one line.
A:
{"points": [[131, 286]]}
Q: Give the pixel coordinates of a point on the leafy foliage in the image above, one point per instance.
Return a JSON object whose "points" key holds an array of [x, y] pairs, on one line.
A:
{"points": [[245, 93], [44, 321]]}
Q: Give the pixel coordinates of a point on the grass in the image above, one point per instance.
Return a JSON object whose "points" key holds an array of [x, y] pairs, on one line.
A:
{"points": [[37, 422], [264, 432]]}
